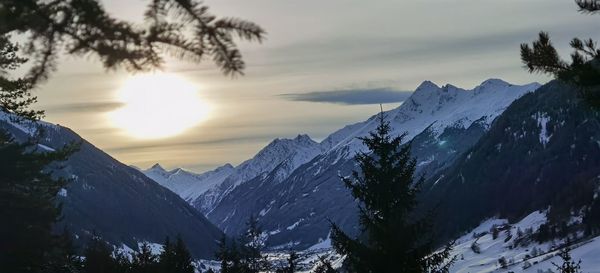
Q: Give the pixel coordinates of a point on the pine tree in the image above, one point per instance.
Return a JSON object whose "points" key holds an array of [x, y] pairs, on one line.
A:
{"points": [[175, 258], [568, 265], [62, 257], [292, 263], [166, 259], [182, 28], [121, 262], [144, 261], [15, 94], [223, 255], [396, 241], [98, 257], [324, 266], [182, 258], [28, 202], [584, 69], [230, 257], [252, 245]]}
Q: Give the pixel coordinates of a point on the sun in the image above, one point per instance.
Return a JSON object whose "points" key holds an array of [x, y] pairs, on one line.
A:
{"points": [[158, 105]]}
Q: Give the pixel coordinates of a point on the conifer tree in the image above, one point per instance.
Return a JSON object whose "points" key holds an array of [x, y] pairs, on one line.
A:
{"points": [[182, 258], [583, 71], [395, 239], [324, 266], [223, 255], [292, 263], [98, 257], [252, 245], [175, 258], [144, 261], [28, 202], [230, 257], [183, 28], [166, 259], [62, 257], [568, 265]]}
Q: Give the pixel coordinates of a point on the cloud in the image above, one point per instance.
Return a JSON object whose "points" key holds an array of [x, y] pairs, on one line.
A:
{"points": [[352, 97], [85, 107], [162, 145]]}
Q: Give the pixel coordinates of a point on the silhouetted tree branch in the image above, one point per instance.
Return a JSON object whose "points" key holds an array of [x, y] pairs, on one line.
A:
{"points": [[584, 68]]}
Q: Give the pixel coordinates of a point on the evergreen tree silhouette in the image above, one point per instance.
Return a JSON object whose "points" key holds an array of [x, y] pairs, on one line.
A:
{"points": [[583, 71], [182, 28], [144, 261], [395, 241], [28, 206], [324, 266], [568, 265], [292, 263], [175, 258], [98, 257], [251, 247]]}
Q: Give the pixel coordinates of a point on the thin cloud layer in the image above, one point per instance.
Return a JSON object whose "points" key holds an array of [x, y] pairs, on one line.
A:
{"points": [[352, 97], [86, 107]]}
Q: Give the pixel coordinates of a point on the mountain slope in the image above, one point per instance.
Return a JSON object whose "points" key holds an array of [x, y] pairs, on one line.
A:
{"points": [[117, 202], [442, 122], [543, 151], [186, 184], [285, 154]]}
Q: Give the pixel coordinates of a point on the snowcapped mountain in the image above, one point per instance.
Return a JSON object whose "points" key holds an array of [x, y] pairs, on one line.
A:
{"points": [[438, 108], [294, 205], [115, 201], [283, 154], [186, 184], [207, 189]]}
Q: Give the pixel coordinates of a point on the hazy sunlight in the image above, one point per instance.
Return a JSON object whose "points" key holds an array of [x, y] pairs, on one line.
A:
{"points": [[158, 106]]}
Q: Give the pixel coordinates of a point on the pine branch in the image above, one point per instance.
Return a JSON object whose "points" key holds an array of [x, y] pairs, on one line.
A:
{"points": [[588, 6]]}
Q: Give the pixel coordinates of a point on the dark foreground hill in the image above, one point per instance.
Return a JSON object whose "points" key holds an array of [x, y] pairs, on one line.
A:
{"points": [[117, 202]]}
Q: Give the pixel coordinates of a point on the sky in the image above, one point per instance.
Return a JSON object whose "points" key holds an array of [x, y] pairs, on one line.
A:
{"points": [[324, 64]]}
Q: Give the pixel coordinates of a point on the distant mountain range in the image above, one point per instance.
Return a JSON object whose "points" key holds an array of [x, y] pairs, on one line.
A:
{"points": [[117, 202], [529, 154], [293, 186]]}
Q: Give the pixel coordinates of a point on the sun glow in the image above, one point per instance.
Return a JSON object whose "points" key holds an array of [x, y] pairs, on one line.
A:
{"points": [[158, 106]]}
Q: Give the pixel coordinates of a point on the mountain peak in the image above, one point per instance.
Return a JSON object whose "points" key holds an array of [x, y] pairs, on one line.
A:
{"points": [[426, 85], [494, 82], [227, 166], [157, 167], [304, 138]]}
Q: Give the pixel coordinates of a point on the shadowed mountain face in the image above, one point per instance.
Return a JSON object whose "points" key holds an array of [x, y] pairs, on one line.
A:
{"points": [[117, 202], [544, 150]]}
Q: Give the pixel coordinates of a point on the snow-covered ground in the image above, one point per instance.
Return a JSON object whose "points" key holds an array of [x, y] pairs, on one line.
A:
{"points": [[532, 257]]}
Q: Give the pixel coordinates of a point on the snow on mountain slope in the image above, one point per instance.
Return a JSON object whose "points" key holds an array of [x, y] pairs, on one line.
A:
{"points": [[186, 184], [530, 257], [440, 107], [520, 257], [292, 151], [207, 189]]}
